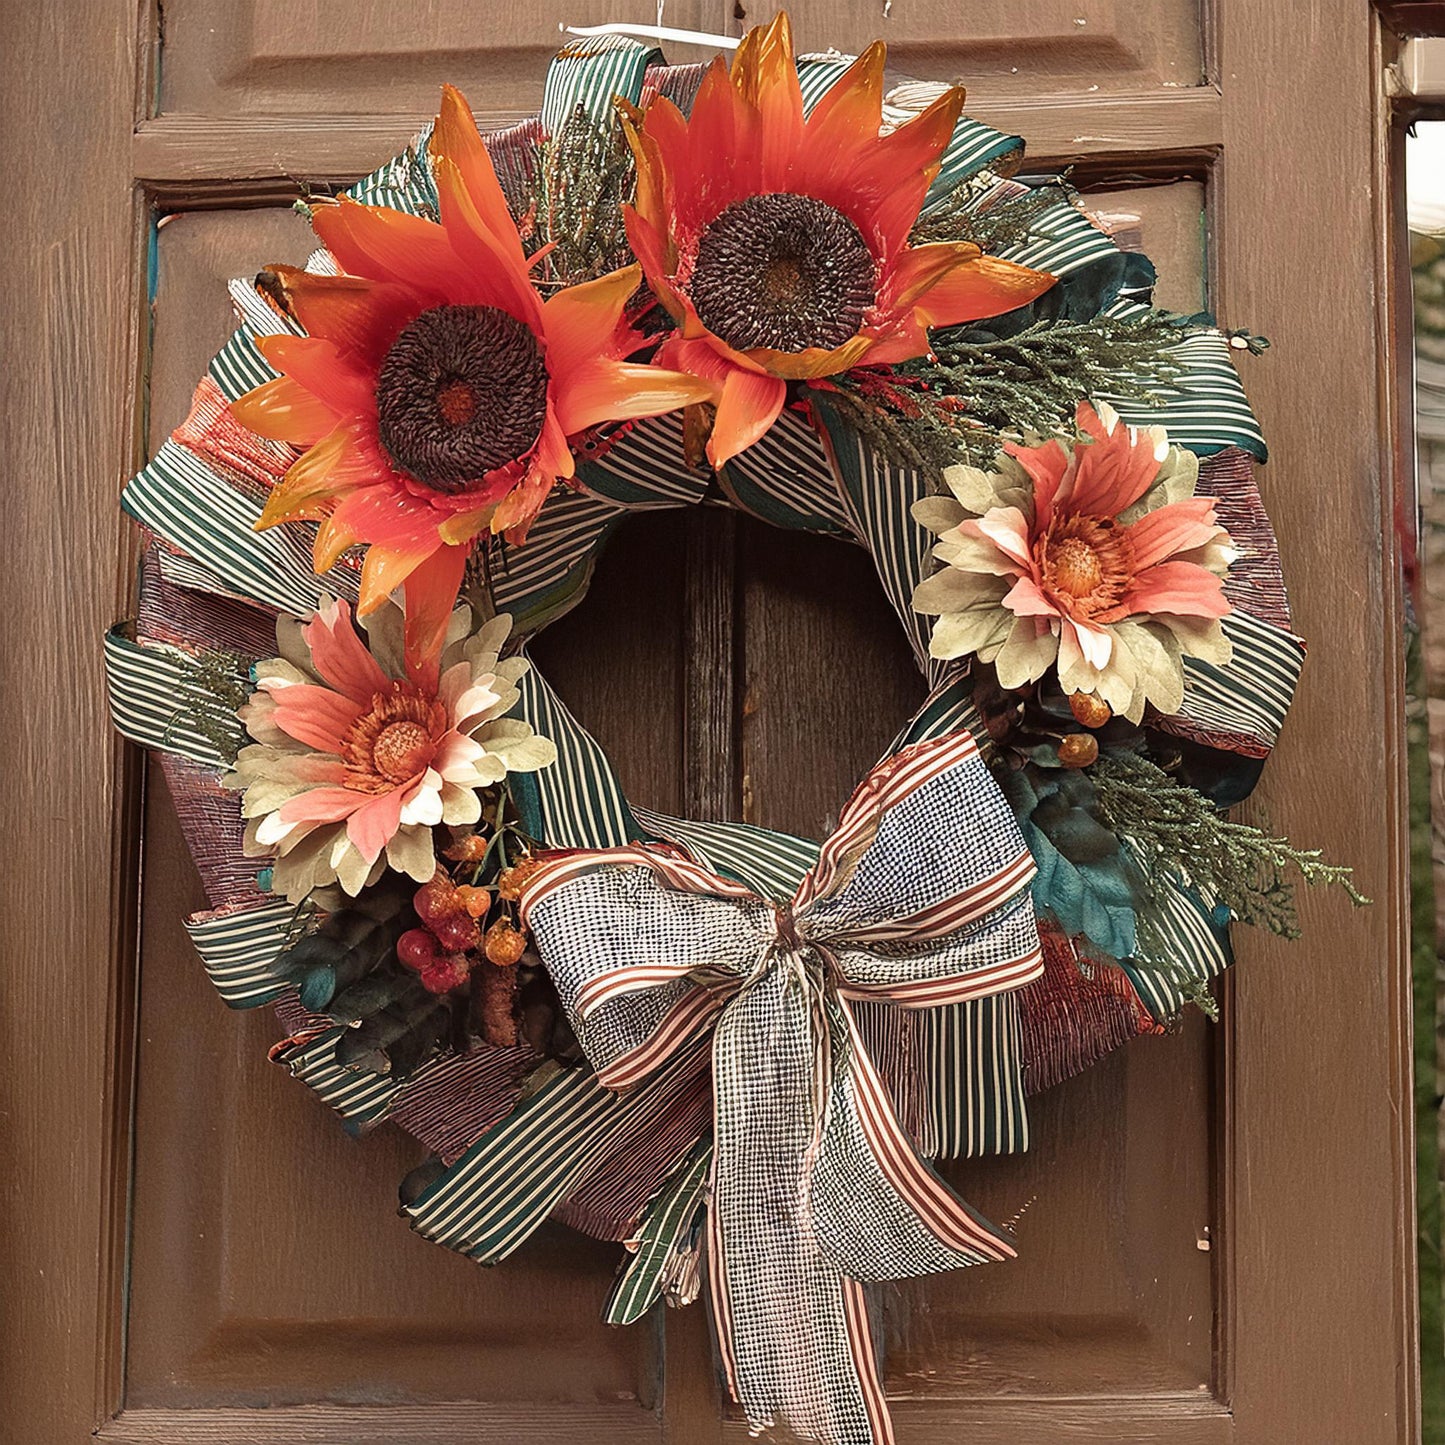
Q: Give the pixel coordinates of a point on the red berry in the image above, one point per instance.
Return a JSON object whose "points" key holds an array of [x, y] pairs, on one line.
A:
{"points": [[457, 932], [417, 949], [450, 971], [436, 899]]}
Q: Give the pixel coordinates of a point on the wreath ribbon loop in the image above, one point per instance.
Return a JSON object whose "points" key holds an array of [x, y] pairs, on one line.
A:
{"points": [[919, 899]]}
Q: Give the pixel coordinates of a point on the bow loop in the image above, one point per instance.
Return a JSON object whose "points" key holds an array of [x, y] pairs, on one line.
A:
{"points": [[919, 898]]}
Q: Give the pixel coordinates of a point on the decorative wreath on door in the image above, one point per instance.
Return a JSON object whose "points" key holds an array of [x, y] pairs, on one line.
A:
{"points": [[771, 287]]}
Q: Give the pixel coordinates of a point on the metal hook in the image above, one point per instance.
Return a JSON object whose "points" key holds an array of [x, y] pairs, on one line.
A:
{"points": [[655, 32]]}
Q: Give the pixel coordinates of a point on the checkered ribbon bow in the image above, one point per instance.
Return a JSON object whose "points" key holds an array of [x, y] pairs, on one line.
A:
{"points": [[918, 899]]}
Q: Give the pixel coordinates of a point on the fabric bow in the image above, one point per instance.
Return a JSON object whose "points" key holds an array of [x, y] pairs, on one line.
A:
{"points": [[919, 898]]}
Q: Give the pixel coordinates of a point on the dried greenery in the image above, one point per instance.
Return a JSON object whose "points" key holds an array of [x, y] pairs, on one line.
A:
{"points": [[584, 176], [1005, 224], [975, 394], [214, 685], [1175, 829]]}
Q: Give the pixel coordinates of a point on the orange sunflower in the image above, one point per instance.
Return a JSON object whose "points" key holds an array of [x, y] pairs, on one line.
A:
{"points": [[780, 245], [435, 391]]}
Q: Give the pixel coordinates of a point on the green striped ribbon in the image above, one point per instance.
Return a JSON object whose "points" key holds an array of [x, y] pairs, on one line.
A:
{"points": [[1253, 693], [786, 481], [667, 1242], [195, 508], [588, 73], [495, 1196], [239, 948], [1205, 408], [154, 701], [361, 1096], [1198, 947]]}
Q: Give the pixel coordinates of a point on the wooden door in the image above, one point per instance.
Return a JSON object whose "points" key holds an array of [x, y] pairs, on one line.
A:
{"points": [[1217, 1244]]}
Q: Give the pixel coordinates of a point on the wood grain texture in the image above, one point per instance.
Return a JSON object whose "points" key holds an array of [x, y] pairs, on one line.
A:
{"points": [[709, 690], [462, 1424], [68, 886], [188, 159], [259, 56], [1318, 1201], [1307, 1192], [1164, 1419]]}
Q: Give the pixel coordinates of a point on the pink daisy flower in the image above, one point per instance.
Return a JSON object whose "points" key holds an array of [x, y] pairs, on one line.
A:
{"points": [[360, 751], [1096, 559]]}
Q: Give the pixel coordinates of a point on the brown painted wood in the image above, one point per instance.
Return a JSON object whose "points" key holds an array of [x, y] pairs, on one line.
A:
{"points": [[1118, 1325], [183, 158], [1414, 17], [265, 56], [1318, 1201], [459, 1424], [68, 806]]}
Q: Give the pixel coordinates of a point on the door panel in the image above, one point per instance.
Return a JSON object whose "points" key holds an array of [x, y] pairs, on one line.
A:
{"points": [[1216, 1224], [1004, 48], [262, 55], [318, 1293], [268, 1260]]}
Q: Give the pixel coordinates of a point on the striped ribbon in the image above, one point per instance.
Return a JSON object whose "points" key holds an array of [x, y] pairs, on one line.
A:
{"points": [[918, 899]]}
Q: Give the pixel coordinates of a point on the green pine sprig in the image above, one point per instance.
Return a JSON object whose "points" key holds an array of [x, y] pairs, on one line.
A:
{"points": [[971, 396], [1177, 830], [584, 176]]}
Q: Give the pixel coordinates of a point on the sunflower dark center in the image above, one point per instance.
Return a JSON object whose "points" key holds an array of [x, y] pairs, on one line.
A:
{"points": [[462, 391], [782, 271]]}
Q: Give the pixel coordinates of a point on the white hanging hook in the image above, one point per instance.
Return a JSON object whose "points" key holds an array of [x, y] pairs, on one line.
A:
{"points": [[656, 32]]}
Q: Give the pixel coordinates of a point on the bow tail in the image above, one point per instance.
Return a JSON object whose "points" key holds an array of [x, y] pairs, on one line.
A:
{"points": [[792, 1328], [879, 1209]]}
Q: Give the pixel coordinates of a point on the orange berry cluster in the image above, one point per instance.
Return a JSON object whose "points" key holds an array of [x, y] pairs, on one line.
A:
{"points": [[444, 949]]}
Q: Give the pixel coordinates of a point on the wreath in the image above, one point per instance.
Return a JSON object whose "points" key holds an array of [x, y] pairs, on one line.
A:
{"points": [[774, 287]]}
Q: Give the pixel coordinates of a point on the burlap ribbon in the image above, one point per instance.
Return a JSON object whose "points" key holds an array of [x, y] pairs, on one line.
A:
{"points": [[919, 899]]}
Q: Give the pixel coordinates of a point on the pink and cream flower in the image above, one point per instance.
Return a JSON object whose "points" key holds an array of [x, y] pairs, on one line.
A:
{"points": [[1097, 559], [359, 750]]}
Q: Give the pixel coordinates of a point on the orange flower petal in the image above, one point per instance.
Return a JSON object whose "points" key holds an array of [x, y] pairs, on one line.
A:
{"points": [[845, 121], [333, 539], [388, 245], [286, 412], [310, 485], [387, 566], [581, 322], [921, 267], [750, 403], [328, 373], [726, 162], [660, 148], [431, 597], [905, 338], [457, 141], [885, 186], [766, 78], [494, 278], [653, 251], [359, 315], [919, 143], [463, 527], [987, 286], [813, 361], [605, 390], [551, 461]]}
